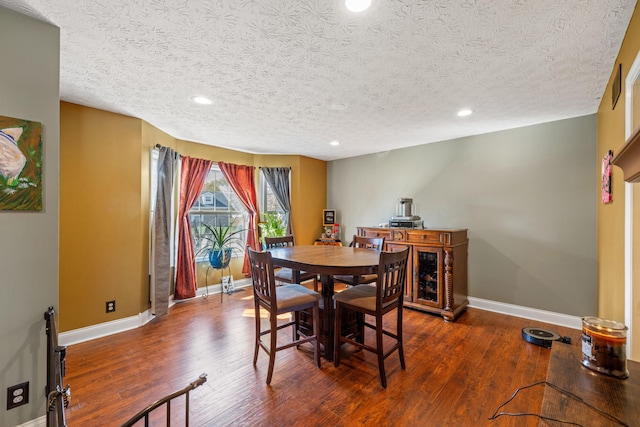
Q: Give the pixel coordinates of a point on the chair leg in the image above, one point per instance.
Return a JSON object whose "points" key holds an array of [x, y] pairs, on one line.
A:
{"points": [[360, 326], [400, 340], [296, 326], [272, 347], [257, 340], [380, 351], [336, 334], [316, 332]]}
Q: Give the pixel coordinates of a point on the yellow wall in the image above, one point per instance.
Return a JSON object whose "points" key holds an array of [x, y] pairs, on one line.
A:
{"points": [[310, 199], [100, 216], [308, 193], [104, 210], [611, 136]]}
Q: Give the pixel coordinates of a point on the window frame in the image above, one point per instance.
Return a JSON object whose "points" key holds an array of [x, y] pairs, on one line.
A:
{"points": [[265, 189], [234, 210]]}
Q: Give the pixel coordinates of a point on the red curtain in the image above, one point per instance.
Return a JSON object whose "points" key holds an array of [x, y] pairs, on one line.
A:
{"points": [[194, 172], [241, 179]]}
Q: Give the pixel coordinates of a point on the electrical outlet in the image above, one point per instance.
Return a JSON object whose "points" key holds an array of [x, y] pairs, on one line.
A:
{"points": [[111, 306], [17, 395]]}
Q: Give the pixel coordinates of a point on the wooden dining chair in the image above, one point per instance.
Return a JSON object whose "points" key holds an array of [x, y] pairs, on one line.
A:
{"points": [[285, 275], [277, 300], [375, 243], [387, 295]]}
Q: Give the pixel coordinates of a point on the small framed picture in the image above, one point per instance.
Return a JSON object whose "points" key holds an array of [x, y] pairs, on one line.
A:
{"points": [[616, 87], [606, 177], [328, 217]]}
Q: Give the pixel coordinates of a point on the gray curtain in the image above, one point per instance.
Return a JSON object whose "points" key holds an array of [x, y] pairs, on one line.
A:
{"points": [[161, 241], [278, 180]]}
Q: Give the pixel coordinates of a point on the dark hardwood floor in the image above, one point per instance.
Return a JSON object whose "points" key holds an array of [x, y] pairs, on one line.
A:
{"points": [[457, 373]]}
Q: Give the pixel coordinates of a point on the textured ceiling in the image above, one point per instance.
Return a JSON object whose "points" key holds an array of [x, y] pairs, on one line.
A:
{"points": [[277, 69]]}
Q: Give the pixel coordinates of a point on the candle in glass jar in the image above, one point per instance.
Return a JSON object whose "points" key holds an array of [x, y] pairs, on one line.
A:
{"points": [[604, 346]]}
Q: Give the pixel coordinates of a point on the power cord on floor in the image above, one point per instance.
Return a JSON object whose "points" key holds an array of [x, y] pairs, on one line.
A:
{"points": [[542, 417]]}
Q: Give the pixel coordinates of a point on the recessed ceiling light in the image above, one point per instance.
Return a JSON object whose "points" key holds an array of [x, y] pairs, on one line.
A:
{"points": [[357, 5], [201, 100], [463, 113], [334, 143]]}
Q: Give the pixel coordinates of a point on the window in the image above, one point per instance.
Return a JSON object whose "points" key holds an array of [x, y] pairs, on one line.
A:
{"points": [[268, 201], [217, 205], [207, 199]]}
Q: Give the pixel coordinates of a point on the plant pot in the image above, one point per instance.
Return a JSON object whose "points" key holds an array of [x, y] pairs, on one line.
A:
{"points": [[220, 258]]}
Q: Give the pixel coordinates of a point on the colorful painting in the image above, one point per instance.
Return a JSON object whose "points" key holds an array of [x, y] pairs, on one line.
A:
{"points": [[20, 164]]}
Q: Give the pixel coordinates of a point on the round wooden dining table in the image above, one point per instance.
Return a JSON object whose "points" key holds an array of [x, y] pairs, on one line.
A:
{"points": [[326, 261]]}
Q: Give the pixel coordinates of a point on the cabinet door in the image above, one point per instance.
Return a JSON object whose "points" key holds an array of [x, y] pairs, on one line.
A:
{"points": [[408, 286], [427, 266]]}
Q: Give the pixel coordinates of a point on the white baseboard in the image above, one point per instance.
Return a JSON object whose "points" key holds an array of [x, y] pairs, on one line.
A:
{"points": [[89, 333], [103, 329], [559, 319], [108, 328], [38, 422]]}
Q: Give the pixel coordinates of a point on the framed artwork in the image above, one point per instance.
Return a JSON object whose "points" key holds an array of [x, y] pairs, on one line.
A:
{"points": [[328, 217], [20, 164], [607, 197], [616, 87]]}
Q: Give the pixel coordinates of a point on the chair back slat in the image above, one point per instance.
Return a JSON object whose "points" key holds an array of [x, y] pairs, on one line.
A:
{"points": [[392, 272], [376, 243], [279, 242], [262, 276]]}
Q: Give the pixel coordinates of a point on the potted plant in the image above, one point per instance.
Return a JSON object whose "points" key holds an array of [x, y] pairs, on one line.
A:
{"points": [[272, 226], [223, 240]]}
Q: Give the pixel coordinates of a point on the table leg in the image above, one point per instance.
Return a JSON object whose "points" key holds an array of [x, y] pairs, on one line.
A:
{"points": [[328, 317]]}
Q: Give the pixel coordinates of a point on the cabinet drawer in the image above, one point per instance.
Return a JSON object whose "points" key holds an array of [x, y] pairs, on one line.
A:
{"points": [[372, 232], [426, 237]]}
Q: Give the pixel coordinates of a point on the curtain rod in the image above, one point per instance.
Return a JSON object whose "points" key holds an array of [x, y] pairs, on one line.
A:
{"points": [[178, 155], [160, 146]]}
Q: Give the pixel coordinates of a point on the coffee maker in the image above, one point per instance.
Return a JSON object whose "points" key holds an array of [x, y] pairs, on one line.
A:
{"points": [[405, 216]]}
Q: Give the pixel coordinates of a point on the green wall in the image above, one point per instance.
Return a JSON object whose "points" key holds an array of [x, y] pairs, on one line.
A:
{"points": [[526, 195], [29, 240]]}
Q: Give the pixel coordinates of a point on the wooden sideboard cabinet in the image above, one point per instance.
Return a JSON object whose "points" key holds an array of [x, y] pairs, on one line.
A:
{"points": [[437, 267]]}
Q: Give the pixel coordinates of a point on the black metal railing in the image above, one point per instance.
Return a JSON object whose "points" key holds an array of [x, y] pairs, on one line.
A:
{"points": [[58, 396], [167, 400]]}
